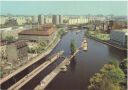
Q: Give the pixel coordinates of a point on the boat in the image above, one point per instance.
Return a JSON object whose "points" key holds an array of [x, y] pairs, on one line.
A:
{"points": [[84, 44], [67, 63], [63, 68]]}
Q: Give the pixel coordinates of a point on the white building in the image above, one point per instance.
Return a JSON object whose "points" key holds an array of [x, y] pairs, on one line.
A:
{"points": [[3, 19], [48, 19], [60, 19], [119, 37], [41, 19], [77, 20], [34, 19], [55, 19]]}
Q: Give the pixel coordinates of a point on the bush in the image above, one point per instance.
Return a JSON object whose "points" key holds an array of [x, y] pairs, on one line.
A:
{"points": [[109, 73], [115, 63], [61, 32], [31, 50], [9, 38], [123, 65], [73, 47]]}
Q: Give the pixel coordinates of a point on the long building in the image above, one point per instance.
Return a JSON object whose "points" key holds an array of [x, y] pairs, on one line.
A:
{"points": [[119, 37], [55, 19], [44, 33], [41, 19]]}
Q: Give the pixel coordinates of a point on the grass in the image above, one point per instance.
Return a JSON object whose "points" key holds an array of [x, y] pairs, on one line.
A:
{"points": [[98, 35]]}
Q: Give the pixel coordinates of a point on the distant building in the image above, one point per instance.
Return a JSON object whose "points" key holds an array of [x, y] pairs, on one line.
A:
{"points": [[17, 52], [60, 19], [41, 19], [34, 19], [55, 19], [45, 33], [3, 19], [48, 19], [73, 20], [119, 37], [3, 54]]}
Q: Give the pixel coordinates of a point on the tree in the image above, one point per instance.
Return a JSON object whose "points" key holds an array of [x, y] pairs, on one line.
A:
{"points": [[9, 38], [11, 22], [73, 47], [110, 77], [123, 65], [115, 63], [116, 75]]}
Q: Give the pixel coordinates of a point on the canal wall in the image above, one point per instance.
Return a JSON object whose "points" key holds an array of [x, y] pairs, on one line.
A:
{"points": [[34, 60], [107, 43], [54, 73]]}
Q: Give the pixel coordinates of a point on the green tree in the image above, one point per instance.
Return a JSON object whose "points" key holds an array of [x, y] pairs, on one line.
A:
{"points": [[123, 65], [109, 78], [116, 75], [114, 62], [73, 47], [9, 38]]}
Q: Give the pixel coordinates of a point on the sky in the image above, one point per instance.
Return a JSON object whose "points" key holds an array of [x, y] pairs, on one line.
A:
{"points": [[64, 7]]}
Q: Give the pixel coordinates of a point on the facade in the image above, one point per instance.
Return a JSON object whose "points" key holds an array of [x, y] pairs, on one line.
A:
{"points": [[3, 54], [77, 20], [60, 19], [17, 52], [3, 19], [9, 32], [41, 19], [21, 20], [119, 37], [43, 33], [48, 19], [55, 19], [34, 19]]}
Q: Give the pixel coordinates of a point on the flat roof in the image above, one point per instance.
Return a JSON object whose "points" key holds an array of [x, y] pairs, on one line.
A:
{"points": [[37, 32]]}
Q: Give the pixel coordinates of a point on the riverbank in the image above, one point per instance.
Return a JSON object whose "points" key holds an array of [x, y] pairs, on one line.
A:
{"points": [[105, 41], [32, 61]]}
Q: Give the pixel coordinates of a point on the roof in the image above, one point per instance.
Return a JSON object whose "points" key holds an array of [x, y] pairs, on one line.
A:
{"points": [[19, 44], [44, 30], [37, 32]]}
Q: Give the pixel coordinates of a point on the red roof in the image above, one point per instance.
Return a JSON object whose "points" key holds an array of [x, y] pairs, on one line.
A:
{"points": [[45, 30], [36, 32]]}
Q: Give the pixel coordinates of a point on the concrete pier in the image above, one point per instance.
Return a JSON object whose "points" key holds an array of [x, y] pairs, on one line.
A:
{"points": [[28, 77]]}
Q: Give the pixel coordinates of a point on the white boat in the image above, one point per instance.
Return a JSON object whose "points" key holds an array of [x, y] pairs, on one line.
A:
{"points": [[84, 45], [63, 68]]}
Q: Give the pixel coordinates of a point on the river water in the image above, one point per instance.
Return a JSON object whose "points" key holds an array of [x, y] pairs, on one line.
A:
{"points": [[85, 63]]}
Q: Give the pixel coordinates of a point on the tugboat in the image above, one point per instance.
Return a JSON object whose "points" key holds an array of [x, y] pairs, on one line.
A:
{"points": [[84, 44]]}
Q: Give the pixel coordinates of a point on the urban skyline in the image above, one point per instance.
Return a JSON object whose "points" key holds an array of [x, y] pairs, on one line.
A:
{"points": [[118, 8]]}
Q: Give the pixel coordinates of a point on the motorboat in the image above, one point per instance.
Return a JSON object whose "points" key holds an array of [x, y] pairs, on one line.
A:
{"points": [[84, 44], [63, 68]]}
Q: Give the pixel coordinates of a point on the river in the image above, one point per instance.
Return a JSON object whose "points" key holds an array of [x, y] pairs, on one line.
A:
{"points": [[85, 63]]}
